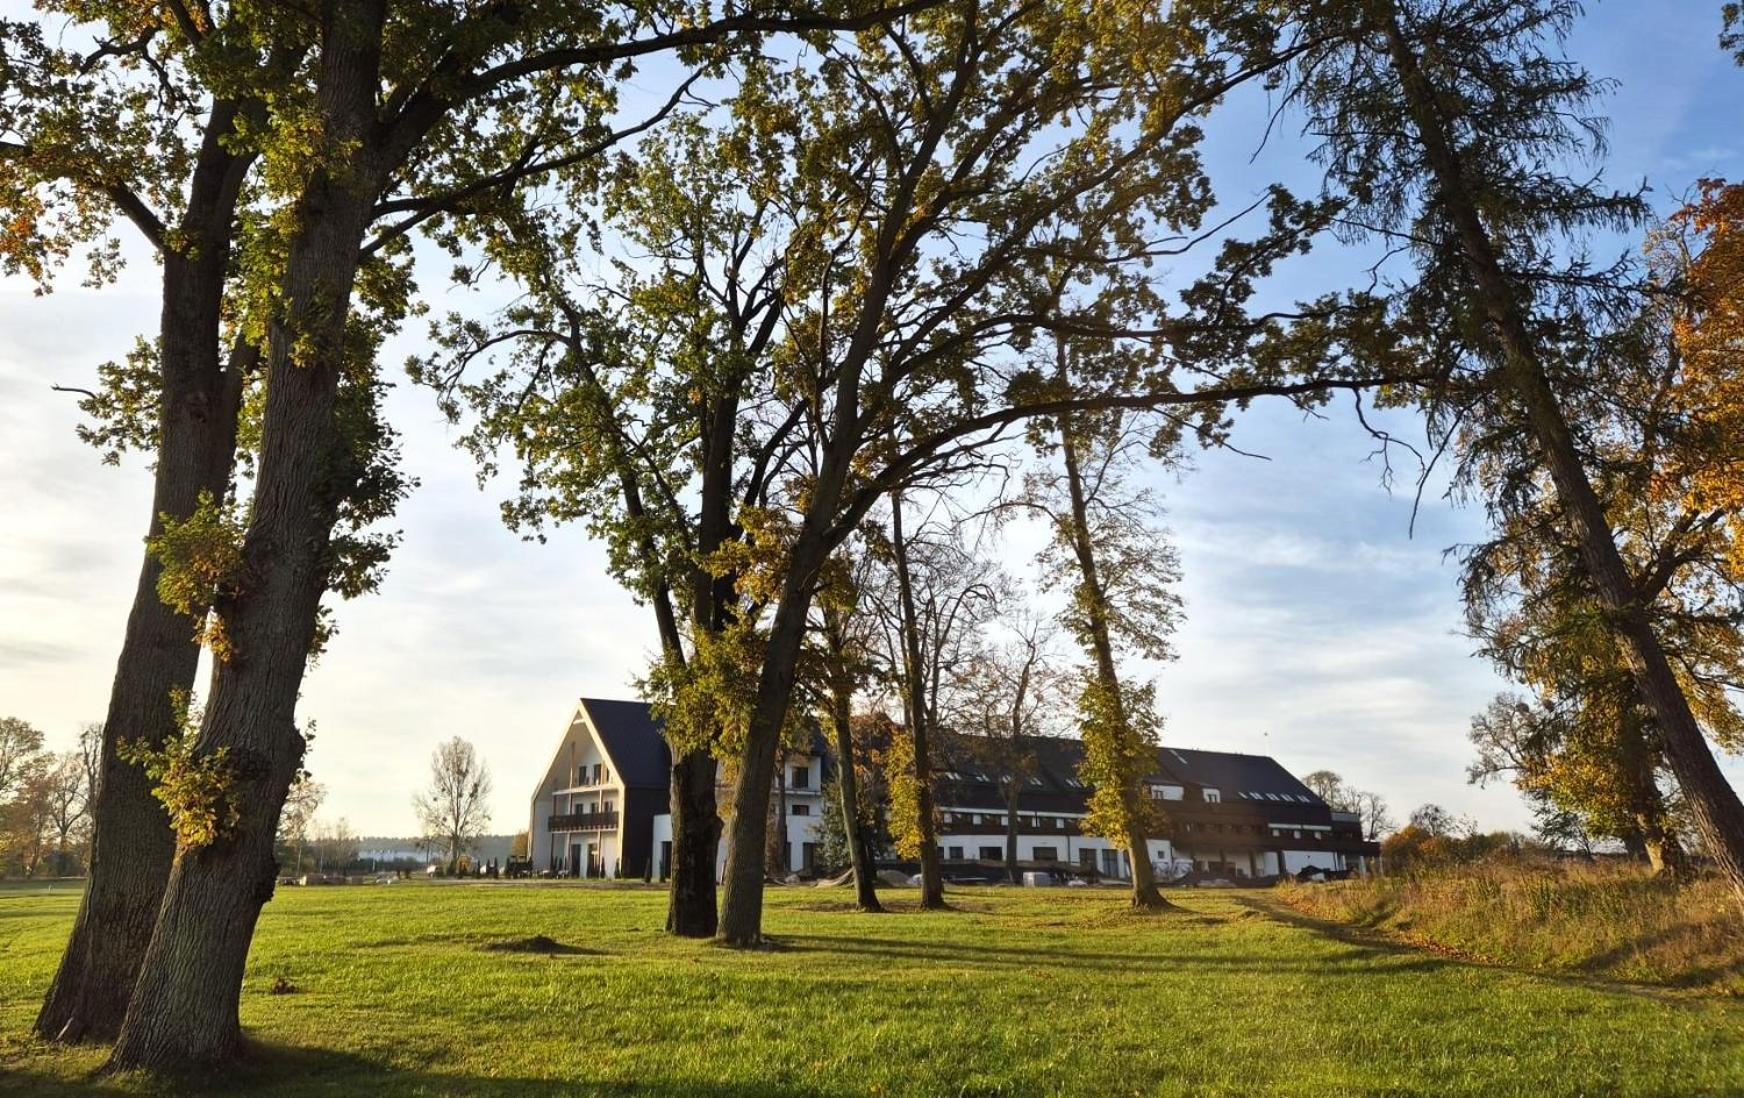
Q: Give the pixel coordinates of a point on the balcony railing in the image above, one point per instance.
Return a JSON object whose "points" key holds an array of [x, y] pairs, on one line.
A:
{"points": [[584, 821]]}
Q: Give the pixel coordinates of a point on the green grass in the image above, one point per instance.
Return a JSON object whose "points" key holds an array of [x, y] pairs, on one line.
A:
{"points": [[1613, 921], [1016, 992]]}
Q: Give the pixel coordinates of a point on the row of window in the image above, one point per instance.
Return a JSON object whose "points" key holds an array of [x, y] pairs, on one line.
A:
{"points": [[997, 853], [1189, 827], [1026, 823]]}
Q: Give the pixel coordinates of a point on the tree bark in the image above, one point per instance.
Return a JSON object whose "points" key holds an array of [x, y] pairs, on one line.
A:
{"points": [[696, 834], [1713, 803], [932, 886], [183, 1011], [741, 921], [848, 784], [1654, 836], [1013, 791], [131, 844], [1145, 895]]}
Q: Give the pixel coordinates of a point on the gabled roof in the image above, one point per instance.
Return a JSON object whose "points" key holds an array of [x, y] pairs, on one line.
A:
{"points": [[632, 738], [1233, 775], [631, 735]]}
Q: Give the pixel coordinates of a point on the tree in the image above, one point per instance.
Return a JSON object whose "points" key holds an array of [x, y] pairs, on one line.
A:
{"points": [[1432, 819], [66, 798], [454, 808], [1444, 125], [1376, 821], [20, 748], [379, 142], [921, 250], [301, 803], [842, 660], [1330, 788], [942, 596], [336, 845], [157, 125], [1008, 697], [1122, 569], [1585, 763], [1703, 245], [520, 845]]}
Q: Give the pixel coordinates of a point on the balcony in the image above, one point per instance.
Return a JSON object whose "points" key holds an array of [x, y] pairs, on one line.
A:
{"points": [[584, 821]]}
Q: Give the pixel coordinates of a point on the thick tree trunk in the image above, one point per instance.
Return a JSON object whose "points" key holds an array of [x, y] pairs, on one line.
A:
{"points": [[131, 845], [1134, 807], [1011, 834], [932, 886], [1713, 803], [184, 1005], [696, 836], [742, 890], [848, 784]]}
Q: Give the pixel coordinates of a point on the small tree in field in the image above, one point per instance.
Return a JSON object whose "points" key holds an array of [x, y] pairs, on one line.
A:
{"points": [[453, 810], [301, 804]]}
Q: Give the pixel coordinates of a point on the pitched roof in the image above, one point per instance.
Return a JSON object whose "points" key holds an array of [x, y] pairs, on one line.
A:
{"points": [[1055, 785], [1232, 774], [632, 738]]}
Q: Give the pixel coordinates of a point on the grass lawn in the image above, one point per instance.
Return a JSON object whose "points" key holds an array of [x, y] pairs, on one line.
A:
{"points": [[1015, 992]]}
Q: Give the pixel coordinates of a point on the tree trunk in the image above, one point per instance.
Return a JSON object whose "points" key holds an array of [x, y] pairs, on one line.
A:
{"points": [[780, 855], [1134, 807], [932, 887], [184, 1005], [1718, 814], [848, 783], [696, 836], [1656, 840], [742, 893], [131, 844]]}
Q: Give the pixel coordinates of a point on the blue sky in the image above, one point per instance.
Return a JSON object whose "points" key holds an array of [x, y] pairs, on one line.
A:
{"points": [[1318, 628]]}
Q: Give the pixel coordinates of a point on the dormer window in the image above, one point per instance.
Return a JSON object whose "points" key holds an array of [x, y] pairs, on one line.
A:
{"points": [[1213, 796]]}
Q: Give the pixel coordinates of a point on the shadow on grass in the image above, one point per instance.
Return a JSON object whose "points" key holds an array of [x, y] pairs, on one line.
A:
{"points": [[539, 944], [271, 1069], [995, 956]]}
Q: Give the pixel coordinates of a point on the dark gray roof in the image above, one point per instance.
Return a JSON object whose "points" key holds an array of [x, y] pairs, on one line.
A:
{"points": [[1055, 785], [638, 748], [633, 740], [1232, 774]]}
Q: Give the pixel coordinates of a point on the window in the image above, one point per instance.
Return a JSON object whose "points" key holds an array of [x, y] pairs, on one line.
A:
{"points": [[801, 809], [1046, 854], [1060, 823], [801, 777], [954, 853], [992, 854], [596, 773], [1213, 796]]}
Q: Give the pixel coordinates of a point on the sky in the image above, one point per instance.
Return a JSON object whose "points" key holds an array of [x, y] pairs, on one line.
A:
{"points": [[1320, 627]]}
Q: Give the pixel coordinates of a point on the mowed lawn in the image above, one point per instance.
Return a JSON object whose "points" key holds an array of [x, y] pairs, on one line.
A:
{"points": [[1013, 993]]}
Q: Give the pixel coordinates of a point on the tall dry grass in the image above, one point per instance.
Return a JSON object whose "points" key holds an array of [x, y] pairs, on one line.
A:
{"points": [[1614, 921]]}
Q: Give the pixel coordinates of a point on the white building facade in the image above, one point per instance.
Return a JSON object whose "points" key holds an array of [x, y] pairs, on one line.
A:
{"points": [[601, 810]]}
